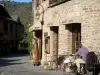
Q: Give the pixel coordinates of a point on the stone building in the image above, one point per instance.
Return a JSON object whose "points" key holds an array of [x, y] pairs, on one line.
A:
{"points": [[61, 24], [11, 32]]}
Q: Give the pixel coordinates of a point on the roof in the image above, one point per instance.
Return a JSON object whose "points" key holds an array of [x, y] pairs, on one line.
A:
{"points": [[3, 12], [16, 18], [5, 15]]}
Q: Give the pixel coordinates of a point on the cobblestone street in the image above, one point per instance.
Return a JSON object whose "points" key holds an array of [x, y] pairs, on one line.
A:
{"points": [[20, 65]]}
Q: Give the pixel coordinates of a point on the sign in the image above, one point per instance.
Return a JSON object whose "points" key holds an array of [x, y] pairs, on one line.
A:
{"points": [[45, 34]]}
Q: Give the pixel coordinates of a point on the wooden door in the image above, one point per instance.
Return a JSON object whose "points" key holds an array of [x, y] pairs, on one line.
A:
{"points": [[38, 34]]}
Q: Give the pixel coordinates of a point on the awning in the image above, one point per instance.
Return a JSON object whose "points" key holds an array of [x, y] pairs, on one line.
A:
{"points": [[53, 23], [36, 26], [76, 19], [49, 24]]}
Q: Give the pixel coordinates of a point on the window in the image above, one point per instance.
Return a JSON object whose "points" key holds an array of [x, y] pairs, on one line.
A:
{"points": [[47, 45], [76, 37], [56, 2], [5, 27], [11, 28]]}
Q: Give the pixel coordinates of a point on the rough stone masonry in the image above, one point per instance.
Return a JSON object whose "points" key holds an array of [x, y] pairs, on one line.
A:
{"points": [[85, 12]]}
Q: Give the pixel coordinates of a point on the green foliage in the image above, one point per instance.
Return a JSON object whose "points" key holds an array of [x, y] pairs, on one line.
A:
{"points": [[27, 41], [22, 10], [28, 37]]}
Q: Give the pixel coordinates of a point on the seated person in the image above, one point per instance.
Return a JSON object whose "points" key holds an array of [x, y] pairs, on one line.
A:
{"points": [[67, 62], [83, 51], [77, 61]]}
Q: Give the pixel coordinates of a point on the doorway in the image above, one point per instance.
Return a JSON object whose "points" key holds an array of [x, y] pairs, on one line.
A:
{"points": [[75, 31], [76, 36], [38, 34], [54, 40]]}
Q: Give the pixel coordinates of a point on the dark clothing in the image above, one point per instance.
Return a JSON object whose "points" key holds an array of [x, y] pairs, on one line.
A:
{"points": [[90, 63]]}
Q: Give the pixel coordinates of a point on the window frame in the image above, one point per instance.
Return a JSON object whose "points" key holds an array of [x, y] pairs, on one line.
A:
{"points": [[56, 3], [47, 45]]}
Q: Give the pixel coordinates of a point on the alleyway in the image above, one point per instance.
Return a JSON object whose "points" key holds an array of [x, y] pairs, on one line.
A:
{"points": [[18, 64]]}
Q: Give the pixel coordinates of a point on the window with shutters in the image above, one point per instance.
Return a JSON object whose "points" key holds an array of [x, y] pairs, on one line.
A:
{"points": [[76, 37]]}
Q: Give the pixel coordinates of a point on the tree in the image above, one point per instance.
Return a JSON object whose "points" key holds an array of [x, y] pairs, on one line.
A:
{"points": [[27, 41]]}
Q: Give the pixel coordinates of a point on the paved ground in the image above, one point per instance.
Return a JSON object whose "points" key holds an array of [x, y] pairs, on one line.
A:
{"points": [[19, 64]]}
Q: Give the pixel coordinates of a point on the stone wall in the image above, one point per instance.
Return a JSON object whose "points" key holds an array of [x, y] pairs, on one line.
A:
{"points": [[88, 12], [91, 25], [65, 41], [55, 15]]}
